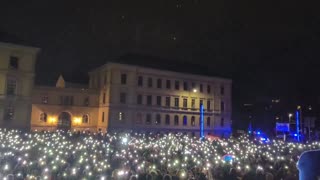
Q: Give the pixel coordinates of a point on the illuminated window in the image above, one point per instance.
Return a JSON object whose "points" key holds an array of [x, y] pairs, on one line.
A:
{"points": [[102, 119], [176, 120], [193, 121], [121, 116], [168, 101], [149, 100], [176, 85], [193, 103], [11, 86], [176, 102], [168, 84], [167, 119], [148, 119], [185, 120], [44, 99], [123, 79], [140, 81], [158, 119], [139, 99], [208, 121], [150, 82], [14, 62], [159, 83], [85, 119], [43, 117]]}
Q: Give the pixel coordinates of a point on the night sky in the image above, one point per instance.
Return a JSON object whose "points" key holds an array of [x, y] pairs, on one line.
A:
{"points": [[269, 48]]}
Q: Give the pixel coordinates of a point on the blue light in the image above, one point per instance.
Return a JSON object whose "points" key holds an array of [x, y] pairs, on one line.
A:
{"points": [[295, 135], [249, 132], [201, 122], [298, 124], [263, 139], [258, 132]]}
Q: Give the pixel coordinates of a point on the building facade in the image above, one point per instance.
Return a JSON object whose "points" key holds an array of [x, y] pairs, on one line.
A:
{"points": [[16, 84]]}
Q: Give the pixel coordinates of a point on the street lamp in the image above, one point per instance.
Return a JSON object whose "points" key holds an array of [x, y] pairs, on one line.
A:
{"points": [[290, 115], [194, 90]]}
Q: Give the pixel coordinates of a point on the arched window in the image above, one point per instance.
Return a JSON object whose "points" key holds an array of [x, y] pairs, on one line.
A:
{"points": [[176, 120], [193, 121], [85, 119], [43, 117], [185, 120], [167, 119], [208, 121], [158, 119]]}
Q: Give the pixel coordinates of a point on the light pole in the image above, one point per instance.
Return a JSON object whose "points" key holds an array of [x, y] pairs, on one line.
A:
{"points": [[201, 111], [290, 115]]}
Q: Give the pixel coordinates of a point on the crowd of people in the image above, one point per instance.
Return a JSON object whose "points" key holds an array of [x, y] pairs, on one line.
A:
{"points": [[67, 155]]}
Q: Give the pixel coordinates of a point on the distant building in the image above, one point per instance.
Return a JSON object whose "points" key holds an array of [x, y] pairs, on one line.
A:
{"points": [[16, 84], [120, 96]]}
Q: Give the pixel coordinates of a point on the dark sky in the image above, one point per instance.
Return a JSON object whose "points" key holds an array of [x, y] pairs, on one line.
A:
{"points": [[269, 48]]}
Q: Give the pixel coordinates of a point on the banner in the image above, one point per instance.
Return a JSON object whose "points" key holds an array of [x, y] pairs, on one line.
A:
{"points": [[282, 127]]}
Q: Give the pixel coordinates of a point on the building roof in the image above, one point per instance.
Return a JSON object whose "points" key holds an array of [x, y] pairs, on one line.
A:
{"points": [[166, 64]]}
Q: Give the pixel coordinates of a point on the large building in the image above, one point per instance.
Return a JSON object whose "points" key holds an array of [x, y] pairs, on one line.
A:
{"points": [[119, 96], [16, 84], [131, 97]]}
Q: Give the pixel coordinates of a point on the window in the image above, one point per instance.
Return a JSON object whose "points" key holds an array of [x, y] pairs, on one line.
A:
{"points": [[168, 84], [102, 119], [176, 102], [185, 120], [66, 100], [193, 85], [148, 119], [167, 119], [168, 101], [43, 117], [123, 97], [201, 102], [208, 121], [193, 103], [222, 122], [123, 79], [222, 106], [44, 100], [9, 113], [86, 101], [85, 119], [159, 100], [193, 121], [104, 98], [222, 90], [139, 99], [176, 120], [140, 81], [11, 86], [185, 86], [185, 103], [176, 85], [208, 105], [150, 82], [121, 116], [149, 100], [14, 62], [208, 89], [158, 119], [201, 88], [159, 83], [139, 118]]}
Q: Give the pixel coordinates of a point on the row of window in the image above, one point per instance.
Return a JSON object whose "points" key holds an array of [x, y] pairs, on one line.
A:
{"points": [[44, 117], [185, 85], [167, 121], [65, 100]]}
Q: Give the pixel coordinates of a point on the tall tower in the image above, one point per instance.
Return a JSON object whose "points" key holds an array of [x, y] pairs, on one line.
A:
{"points": [[17, 72]]}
